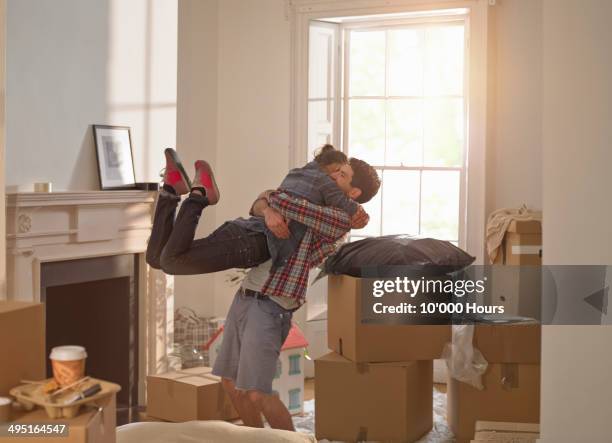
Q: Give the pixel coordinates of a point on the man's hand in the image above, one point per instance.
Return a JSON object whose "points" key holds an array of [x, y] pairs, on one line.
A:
{"points": [[276, 222], [360, 219]]}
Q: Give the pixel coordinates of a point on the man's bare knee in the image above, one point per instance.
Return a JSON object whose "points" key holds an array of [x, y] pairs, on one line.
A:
{"points": [[256, 397]]}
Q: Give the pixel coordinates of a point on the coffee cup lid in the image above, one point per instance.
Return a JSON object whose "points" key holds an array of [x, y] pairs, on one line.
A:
{"points": [[68, 353], [5, 401]]}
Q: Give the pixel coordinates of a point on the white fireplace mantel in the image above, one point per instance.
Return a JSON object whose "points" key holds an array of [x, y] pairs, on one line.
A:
{"points": [[46, 227]]}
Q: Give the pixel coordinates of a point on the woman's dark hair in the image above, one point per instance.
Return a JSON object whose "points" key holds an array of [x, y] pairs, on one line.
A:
{"points": [[327, 155]]}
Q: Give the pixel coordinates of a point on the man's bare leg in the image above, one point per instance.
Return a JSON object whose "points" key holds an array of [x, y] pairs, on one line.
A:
{"points": [[273, 409], [248, 411]]}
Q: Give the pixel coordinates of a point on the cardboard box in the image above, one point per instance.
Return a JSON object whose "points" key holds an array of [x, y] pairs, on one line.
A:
{"points": [[92, 425], [513, 342], [506, 432], [517, 288], [360, 342], [190, 394], [522, 244], [380, 401], [22, 343], [511, 393]]}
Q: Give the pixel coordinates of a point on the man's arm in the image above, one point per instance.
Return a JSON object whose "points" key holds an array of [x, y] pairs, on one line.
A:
{"points": [[276, 222], [328, 223], [273, 219]]}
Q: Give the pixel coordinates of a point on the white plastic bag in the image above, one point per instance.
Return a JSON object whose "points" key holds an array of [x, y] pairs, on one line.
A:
{"points": [[465, 363]]}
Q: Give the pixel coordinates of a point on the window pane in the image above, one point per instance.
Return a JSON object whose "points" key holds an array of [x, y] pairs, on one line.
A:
{"points": [[405, 132], [406, 62], [444, 47], [367, 130], [443, 139], [440, 204], [320, 124], [367, 63], [373, 209], [401, 202], [320, 64]]}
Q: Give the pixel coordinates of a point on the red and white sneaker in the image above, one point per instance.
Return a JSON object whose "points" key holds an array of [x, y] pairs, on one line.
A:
{"points": [[174, 174], [205, 179]]}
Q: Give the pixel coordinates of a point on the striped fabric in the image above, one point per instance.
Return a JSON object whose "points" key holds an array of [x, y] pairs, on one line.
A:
{"points": [[325, 225]]}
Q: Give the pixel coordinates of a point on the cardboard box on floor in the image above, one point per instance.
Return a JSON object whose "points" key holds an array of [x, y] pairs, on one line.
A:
{"points": [[96, 424], [511, 393], [512, 342], [22, 343], [506, 432], [347, 336], [190, 394], [522, 244], [380, 401]]}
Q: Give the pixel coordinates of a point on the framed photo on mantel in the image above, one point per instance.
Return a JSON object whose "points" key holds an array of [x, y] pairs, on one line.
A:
{"points": [[115, 159]]}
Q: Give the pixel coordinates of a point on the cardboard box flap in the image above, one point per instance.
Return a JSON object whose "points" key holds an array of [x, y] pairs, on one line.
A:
{"points": [[195, 378], [505, 426], [525, 226], [197, 371]]}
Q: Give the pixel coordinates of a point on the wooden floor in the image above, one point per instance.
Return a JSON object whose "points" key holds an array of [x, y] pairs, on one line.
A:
{"points": [[309, 385]]}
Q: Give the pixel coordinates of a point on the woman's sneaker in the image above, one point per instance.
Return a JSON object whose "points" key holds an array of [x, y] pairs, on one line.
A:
{"points": [[174, 174], [205, 181]]}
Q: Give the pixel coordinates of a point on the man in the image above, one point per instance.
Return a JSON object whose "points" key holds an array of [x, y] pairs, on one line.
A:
{"points": [[257, 323]]}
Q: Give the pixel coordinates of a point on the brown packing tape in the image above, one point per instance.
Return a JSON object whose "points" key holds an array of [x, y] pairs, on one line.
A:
{"points": [[510, 376], [362, 435], [362, 368]]}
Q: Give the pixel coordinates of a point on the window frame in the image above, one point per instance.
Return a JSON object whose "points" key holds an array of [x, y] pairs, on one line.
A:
{"points": [[301, 12]]}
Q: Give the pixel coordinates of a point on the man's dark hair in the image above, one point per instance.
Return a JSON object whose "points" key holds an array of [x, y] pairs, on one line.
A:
{"points": [[364, 178], [327, 155]]}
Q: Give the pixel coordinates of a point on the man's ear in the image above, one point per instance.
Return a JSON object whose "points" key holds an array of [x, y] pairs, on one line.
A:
{"points": [[354, 193]]}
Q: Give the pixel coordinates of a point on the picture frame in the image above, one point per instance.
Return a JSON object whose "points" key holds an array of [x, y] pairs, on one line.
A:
{"points": [[115, 157]]}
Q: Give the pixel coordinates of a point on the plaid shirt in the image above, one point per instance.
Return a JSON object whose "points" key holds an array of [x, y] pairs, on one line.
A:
{"points": [[325, 225]]}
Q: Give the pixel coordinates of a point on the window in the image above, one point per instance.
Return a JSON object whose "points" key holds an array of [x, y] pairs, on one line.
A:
{"points": [[279, 368], [402, 108], [294, 364], [294, 398]]}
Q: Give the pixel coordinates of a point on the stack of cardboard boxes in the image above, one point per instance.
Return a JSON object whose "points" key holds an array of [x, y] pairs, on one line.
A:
{"points": [[378, 382]]}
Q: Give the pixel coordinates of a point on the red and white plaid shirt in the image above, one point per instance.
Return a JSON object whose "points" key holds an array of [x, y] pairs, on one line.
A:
{"points": [[326, 225]]}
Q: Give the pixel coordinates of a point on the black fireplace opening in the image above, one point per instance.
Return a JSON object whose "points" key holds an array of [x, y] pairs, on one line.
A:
{"points": [[93, 302]]}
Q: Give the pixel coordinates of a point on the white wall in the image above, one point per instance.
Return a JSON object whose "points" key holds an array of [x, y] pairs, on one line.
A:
{"points": [[577, 67], [233, 108], [73, 63], [514, 154], [253, 111], [197, 125]]}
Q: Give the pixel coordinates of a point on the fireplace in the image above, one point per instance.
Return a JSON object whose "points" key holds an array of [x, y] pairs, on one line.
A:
{"points": [[82, 254], [94, 303]]}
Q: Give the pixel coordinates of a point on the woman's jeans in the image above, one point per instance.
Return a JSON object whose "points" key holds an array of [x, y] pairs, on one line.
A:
{"points": [[173, 249]]}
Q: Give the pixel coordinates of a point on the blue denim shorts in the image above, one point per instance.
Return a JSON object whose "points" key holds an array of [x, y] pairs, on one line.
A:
{"points": [[254, 332]]}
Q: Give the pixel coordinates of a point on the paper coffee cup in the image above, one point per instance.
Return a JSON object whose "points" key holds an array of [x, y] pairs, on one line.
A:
{"points": [[68, 363], [5, 409]]}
